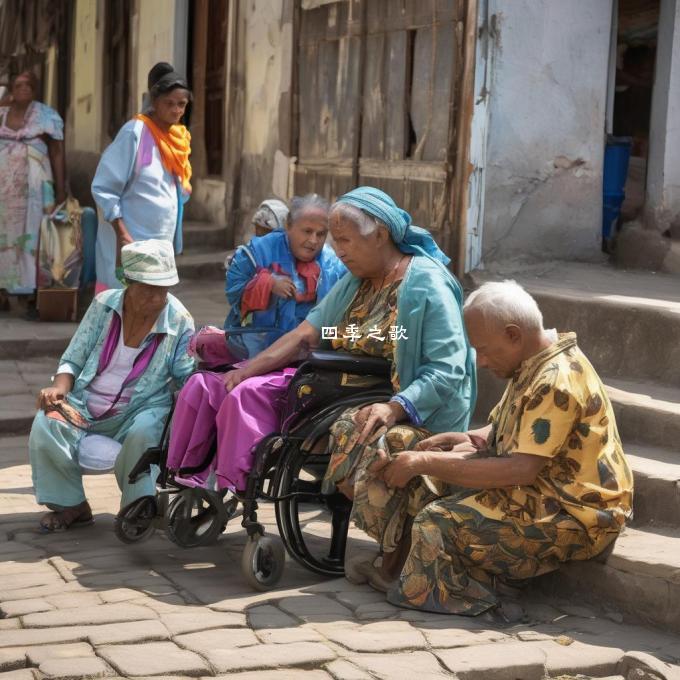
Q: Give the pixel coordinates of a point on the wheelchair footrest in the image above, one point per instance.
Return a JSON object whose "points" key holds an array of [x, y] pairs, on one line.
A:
{"points": [[151, 456]]}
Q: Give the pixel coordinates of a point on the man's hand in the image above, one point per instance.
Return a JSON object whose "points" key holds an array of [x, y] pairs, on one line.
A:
{"points": [[398, 471], [443, 442], [49, 396], [372, 418], [283, 287], [235, 377]]}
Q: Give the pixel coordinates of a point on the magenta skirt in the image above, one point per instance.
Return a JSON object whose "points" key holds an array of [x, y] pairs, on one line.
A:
{"points": [[237, 420]]}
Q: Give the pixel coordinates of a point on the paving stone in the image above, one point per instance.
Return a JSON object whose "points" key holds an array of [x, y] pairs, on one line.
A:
{"points": [[39, 591], [268, 616], [75, 668], [71, 600], [357, 598], [315, 608], [21, 607], [200, 619], [31, 580], [387, 636], [118, 595], [376, 610], [281, 636], [153, 658], [222, 638], [24, 637], [270, 656], [283, 674], [499, 661], [12, 658], [9, 624], [421, 665], [26, 674], [134, 631], [638, 665], [341, 669], [454, 637], [579, 657], [103, 613], [533, 636], [38, 655]]}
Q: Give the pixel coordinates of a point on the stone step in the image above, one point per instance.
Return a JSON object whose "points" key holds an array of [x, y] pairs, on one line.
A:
{"points": [[203, 235], [657, 484], [628, 323], [641, 578], [202, 264], [646, 412]]}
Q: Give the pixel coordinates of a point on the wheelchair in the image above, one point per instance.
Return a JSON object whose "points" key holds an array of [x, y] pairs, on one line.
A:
{"points": [[288, 470]]}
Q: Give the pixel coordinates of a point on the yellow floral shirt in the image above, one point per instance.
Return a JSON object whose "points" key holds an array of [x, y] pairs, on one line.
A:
{"points": [[556, 407]]}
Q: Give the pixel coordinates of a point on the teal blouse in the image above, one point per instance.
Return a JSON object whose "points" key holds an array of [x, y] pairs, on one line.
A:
{"points": [[435, 362], [168, 370]]}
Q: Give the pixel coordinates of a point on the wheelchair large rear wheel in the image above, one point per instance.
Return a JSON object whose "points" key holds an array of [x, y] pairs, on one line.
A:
{"points": [[313, 526]]}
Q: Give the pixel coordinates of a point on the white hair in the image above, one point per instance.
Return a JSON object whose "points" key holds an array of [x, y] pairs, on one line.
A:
{"points": [[506, 302], [365, 223]]}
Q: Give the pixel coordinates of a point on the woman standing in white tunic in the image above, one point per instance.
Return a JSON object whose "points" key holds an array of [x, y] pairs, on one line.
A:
{"points": [[143, 177]]}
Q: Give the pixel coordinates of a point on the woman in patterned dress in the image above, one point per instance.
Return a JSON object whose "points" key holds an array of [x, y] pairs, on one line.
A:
{"points": [[31, 155]]}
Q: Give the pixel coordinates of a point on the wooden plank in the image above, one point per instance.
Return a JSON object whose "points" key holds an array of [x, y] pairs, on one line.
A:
{"points": [[396, 75], [373, 122], [407, 169]]}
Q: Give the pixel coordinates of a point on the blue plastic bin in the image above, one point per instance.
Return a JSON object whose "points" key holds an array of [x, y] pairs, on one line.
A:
{"points": [[616, 158]]}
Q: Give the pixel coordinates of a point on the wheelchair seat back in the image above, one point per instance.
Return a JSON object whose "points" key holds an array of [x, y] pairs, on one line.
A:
{"points": [[326, 378]]}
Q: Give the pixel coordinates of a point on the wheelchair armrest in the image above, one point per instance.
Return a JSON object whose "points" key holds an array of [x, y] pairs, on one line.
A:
{"points": [[344, 362]]}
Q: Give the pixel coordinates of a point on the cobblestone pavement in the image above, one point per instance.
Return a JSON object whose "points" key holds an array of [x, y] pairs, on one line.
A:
{"points": [[82, 605]]}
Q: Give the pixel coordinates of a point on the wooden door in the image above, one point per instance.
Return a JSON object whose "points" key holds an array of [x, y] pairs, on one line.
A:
{"points": [[215, 79], [379, 91]]}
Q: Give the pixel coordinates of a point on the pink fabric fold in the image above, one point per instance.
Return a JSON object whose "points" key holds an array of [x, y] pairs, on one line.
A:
{"points": [[237, 420]]}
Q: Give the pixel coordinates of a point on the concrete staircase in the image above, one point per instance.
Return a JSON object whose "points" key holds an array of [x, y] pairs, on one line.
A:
{"points": [[204, 252], [628, 324]]}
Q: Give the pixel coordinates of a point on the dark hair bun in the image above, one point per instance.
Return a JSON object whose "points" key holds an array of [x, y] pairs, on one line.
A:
{"points": [[162, 68]]}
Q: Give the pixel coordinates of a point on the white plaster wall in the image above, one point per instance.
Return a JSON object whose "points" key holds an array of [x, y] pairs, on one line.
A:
{"points": [[543, 193], [84, 129], [264, 61], [663, 172], [155, 40]]}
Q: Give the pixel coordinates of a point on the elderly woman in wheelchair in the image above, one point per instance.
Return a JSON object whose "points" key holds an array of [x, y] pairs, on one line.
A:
{"points": [[399, 353], [112, 391]]}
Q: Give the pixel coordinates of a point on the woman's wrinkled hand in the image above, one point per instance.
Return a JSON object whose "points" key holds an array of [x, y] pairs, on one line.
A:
{"points": [[234, 378], [398, 471], [444, 441], [49, 396], [374, 417], [283, 287]]}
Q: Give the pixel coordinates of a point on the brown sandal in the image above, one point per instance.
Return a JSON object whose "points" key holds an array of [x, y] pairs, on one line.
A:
{"points": [[61, 520]]}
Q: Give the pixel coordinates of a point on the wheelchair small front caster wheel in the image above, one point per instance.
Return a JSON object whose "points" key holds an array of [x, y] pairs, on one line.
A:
{"points": [[262, 561], [196, 517], [134, 523]]}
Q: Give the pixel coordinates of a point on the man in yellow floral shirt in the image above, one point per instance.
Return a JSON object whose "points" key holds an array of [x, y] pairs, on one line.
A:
{"points": [[545, 482]]}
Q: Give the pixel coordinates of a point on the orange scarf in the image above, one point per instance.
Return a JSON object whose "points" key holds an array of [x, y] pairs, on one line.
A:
{"points": [[174, 147]]}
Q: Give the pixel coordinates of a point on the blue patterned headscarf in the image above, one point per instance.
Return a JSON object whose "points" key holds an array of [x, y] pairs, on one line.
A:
{"points": [[407, 237]]}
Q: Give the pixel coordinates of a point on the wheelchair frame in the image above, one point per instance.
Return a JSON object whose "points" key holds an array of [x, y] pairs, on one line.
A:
{"points": [[275, 477]]}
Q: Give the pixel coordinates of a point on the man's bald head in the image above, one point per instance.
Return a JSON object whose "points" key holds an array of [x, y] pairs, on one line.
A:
{"points": [[505, 326]]}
